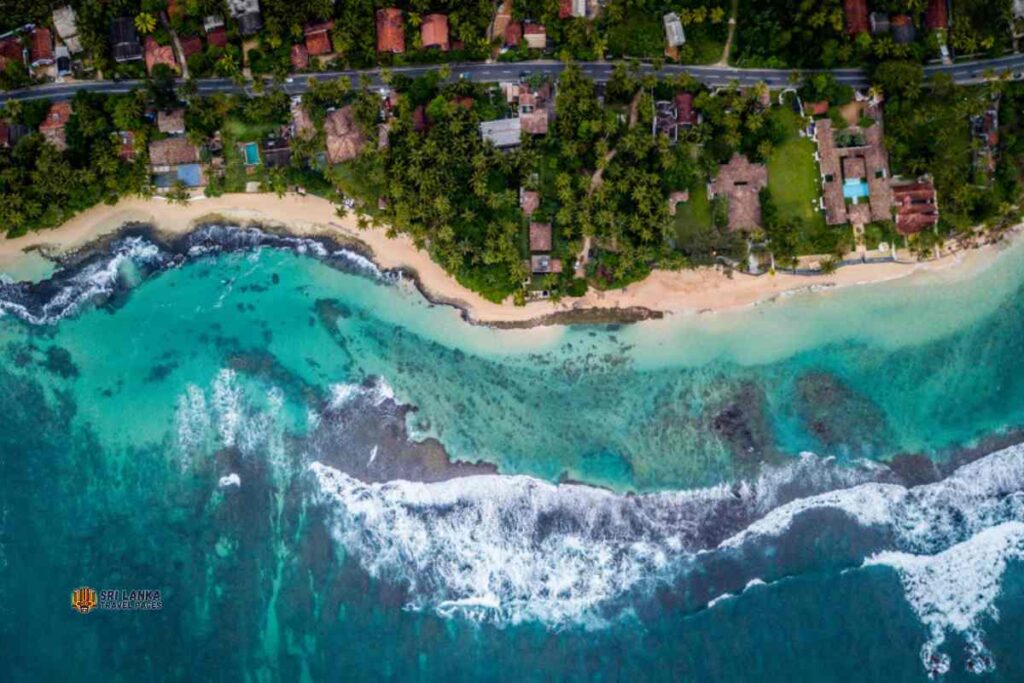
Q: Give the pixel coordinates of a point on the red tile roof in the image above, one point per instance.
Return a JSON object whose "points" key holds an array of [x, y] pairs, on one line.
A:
{"points": [[318, 40], [856, 16], [916, 207], [41, 50], [159, 54], [300, 57], [57, 117], [685, 113], [937, 14], [172, 152], [127, 150], [390, 30], [217, 37], [540, 237], [816, 108], [191, 45], [513, 34], [564, 9], [434, 31]]}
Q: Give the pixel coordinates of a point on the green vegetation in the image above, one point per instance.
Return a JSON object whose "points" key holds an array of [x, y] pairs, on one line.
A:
{"points": [[794, 181]]}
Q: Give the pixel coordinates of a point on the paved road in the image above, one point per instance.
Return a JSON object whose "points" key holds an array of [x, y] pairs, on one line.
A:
{"points": [[965, 73]]}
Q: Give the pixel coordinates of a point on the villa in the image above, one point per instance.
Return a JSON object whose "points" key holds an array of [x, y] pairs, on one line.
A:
{"points": [[854, 171], [434, 32], [540, 250], [536, 36], [917, 206], [390, 30], [175, 159], [345, 138], [124, 40], [741, 181]]}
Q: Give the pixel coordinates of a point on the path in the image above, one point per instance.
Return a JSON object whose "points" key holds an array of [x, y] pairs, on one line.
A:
{"points": [[724, 61]]}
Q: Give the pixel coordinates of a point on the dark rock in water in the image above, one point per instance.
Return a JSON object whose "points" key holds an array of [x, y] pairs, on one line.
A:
{"points": [[58, 361], [914, 469], [838, 416], [160, 372], [742, 424], [367, 439]]}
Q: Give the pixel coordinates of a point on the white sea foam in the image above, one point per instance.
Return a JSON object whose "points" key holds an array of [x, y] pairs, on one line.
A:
{"points": [[955, 589], [229, 480], [376, 392]]}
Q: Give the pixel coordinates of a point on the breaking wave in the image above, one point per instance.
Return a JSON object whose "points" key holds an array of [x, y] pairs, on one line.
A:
{"points": [[96, 278]]}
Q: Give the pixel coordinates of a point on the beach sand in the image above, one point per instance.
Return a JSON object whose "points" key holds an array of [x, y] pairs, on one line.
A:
{"points": [[687, 291]]}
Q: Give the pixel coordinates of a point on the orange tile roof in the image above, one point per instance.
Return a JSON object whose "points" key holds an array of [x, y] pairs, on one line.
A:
{"points": [[856, 16], [434, 31], [513, 34], [300, 57], [42, 46], [390, 30], [159, 54]]}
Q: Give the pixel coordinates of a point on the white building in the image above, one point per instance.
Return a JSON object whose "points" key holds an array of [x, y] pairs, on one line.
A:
{"points": [[674, 30]]}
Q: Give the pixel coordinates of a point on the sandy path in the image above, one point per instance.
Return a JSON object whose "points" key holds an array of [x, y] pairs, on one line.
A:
{"points": [[698, 290]]}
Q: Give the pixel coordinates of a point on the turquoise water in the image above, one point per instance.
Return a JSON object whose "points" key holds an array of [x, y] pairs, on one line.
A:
{"points": [[230, 431], [855, 189], [252, 153]]}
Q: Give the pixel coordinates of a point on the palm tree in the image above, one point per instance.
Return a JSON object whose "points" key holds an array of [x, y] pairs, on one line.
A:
{"points": [[876, 93], [145, 23]]}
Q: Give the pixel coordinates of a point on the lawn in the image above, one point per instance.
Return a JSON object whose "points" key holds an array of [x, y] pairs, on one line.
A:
{"points": [[794, 180], [693, 218]]}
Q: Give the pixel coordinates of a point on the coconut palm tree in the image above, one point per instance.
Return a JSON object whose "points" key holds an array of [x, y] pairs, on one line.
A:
{"points": [[145, 23]]}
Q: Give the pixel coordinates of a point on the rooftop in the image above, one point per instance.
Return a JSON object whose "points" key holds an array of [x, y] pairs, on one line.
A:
{"points": [[318, 39], [936, 16], [171, 122], [344, 137], [124, 40], [172, 152], [299, 57], [741, 182], [41, 51], [540, 237], [390, 30], [529, 201], [502, 132], [434, 31], [159, 54], [513, 34]]}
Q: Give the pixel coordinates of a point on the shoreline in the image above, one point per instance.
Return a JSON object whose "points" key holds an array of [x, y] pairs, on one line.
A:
{"points": [[696, 291]]}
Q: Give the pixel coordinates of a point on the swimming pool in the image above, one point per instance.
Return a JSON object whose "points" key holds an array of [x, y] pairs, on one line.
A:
{"points": [[855, 188], [252, 153]]}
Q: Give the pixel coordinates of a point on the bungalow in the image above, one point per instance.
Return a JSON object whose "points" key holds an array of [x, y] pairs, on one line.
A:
{"points": [[572, 8], [126, 142], [159, 54], [434, 32], [175, 159], [686, 115], [513, 34], [902, 29], [318, 39], [541, 262], [124, 40], [390, 30], [345, 139], [536, 36], [54, 124], [277, 152], [171, 122], [247, 14], [936, 16], [66, 23], [299, 57], [11, 50], [917, 206], [502, 133], [41, 50], [674, 34], [856, 12], [529, 201], [740, 181]]}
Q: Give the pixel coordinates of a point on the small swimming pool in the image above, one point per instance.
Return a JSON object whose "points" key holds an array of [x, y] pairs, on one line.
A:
{"points": [[855, 188], [252, 153]]}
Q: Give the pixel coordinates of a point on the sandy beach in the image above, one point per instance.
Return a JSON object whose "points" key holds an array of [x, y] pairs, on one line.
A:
{"points": [[688, 291]]}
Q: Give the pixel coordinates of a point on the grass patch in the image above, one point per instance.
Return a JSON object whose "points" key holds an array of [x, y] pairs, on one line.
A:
{"points": [[793, 180], [693, 217]]}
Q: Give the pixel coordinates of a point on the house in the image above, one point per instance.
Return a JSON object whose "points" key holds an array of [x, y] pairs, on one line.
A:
{"points": [[10, 133], [41, 47], [686, 115], [572, 8], [11, 50], [741, 181], [217, 37], [879, 23], [936, 15], [536, 36], [190, 45], [534, 112], [171, 122], [917, 206], [63, 56], [856, 13], [665, 123], [318, 39], [502, 133], [855, 171], [514, 34], [299, 57], [674, 35], [902, 29], [529, 201], [540, 248], [247, 14], [124, 40], [985, 130], [156, 53], [175, 159], [540, 237], [212, 22], [126, 145], [390, 30], [277, 152], [345, 139], [302, 125], [66, 24], [54, 124], [434, 32]]}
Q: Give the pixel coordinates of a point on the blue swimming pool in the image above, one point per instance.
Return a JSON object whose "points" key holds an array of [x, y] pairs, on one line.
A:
{"points": [[855, 188], [252, 154]]}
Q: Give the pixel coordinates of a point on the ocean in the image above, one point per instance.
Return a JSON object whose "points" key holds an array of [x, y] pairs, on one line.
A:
{"points": [[328, 477]]}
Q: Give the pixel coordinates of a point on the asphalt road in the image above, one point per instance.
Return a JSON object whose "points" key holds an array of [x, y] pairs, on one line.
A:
{"points": [[963, 72]]}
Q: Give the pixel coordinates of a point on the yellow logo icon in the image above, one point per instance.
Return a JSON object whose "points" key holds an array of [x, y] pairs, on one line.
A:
{"points": [[83, 599]]}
